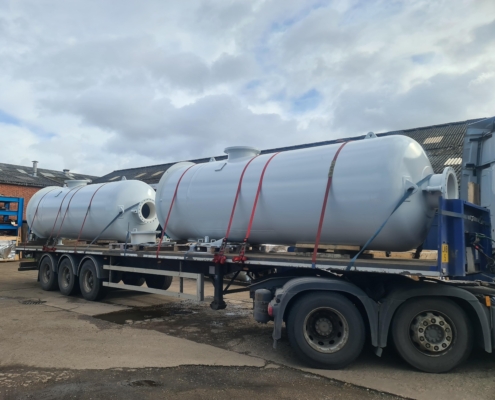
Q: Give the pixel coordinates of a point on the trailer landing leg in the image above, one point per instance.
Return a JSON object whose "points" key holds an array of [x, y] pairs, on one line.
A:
{"points": [[218, 303]]}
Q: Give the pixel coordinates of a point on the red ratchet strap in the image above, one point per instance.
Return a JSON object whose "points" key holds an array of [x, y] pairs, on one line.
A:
{"points": [[241, 257], [170, 209], [87, 212], [65, 214], [36, 211], [45, 247], [219, 258], [324, 206]]}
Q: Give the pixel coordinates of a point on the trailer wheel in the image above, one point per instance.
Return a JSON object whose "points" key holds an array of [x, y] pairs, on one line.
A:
{"points": [[326, 330], [158, 281], [91, 286], [67, 281], [130, 278], [48, 277], [432, 335]]}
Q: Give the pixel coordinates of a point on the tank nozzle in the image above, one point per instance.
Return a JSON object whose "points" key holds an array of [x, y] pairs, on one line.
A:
{"points": [[444, 184]]}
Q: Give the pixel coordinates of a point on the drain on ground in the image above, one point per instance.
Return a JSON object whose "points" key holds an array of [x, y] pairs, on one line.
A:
{"points": [[32, 302], [143, 382]]}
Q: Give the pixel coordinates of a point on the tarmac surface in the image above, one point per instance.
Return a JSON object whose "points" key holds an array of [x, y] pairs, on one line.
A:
{"points": [[148, 346]]}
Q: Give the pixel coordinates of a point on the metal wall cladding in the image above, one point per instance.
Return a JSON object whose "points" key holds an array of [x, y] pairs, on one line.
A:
{"points": [[65, 213], [370, 177]]}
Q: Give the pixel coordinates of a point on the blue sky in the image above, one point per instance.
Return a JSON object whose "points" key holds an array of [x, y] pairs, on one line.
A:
{"points": [[8, 119], [98, 86]]}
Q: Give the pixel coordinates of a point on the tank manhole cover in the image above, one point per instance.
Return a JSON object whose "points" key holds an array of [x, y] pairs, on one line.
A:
{"points": [[32, 302]]}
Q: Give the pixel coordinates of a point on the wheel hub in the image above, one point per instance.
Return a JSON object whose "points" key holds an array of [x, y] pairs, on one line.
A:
{"points": [[431, 332], [66, 276], [326, 330], [47, 273], [88, 281], [323, 326]]}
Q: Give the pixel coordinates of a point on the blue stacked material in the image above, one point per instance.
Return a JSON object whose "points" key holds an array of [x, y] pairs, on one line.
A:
{"points": [[11, 209]]}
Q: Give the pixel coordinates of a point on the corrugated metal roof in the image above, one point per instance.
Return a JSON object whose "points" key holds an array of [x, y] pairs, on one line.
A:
{"points": [[439, 151], [12, 175]]}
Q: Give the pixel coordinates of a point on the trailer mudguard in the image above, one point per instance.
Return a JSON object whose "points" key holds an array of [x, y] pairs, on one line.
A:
{"points": [[405, 292], [296, 286], [98, 261]]}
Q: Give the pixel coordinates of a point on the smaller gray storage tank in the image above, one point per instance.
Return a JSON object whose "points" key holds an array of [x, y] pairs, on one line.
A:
{"points": [[81, 210]]}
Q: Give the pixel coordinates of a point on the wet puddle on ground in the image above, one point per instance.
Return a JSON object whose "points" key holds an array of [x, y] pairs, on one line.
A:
{"points": [[197, 322], [140, 314]]}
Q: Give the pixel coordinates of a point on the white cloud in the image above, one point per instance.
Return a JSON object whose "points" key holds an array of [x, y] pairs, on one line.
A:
{"points": [[98, 86]]}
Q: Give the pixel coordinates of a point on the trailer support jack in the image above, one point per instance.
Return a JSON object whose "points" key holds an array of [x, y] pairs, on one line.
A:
{"points": [[218, 303]]}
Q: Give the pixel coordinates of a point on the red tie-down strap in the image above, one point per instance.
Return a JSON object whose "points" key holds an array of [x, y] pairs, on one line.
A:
{"points": [[220, 258], [241, 257], [170, 210], [325, 200], [45, 247], [65, 214], [87, 212]]}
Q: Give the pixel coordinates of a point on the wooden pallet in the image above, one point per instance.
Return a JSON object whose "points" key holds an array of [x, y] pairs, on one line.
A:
{"points": [[10, 238], [404, 255], [323, 249], [328, 247], [327, 250]]}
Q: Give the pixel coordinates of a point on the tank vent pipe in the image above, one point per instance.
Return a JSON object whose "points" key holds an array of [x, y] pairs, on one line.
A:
{"points": [[77, 182], [236, 153]]}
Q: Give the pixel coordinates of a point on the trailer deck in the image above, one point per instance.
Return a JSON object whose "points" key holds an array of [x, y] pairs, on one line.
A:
{"points": [[256, 260]]}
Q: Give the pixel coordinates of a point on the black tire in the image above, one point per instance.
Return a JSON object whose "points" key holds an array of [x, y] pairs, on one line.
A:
{"points": [[158, 281], [130, 278], [48, 277], [67, 281], [428, 322], [91, 286], [326, 330]]}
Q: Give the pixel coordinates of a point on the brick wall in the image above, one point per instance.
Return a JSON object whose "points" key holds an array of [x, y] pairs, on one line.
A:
{"points": [[18, 191]]}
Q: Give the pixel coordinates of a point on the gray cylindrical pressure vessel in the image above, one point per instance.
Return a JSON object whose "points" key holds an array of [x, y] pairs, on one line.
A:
{"points": [[369, 179], [61, 211]]}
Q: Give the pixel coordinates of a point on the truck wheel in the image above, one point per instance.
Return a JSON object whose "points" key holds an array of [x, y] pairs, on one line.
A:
{"points": [[433, 335], [158, 281], [91, 286], [130, 278], [326, 330], [48, 278], [67, 281]]}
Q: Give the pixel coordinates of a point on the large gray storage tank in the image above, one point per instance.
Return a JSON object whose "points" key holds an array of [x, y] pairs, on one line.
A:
{"points": [[61, 211], [370, 177]]}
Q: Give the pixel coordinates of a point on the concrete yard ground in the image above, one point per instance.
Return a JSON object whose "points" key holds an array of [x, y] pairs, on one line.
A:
{"points": [[136, 345]]}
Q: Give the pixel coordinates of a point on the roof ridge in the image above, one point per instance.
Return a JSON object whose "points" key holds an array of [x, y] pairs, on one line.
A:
{"points": [[297, 145], [440, 125], [30, 169]]}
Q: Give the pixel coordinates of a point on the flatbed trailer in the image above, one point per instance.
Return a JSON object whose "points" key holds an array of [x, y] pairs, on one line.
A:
{"points": [[434, 311]]}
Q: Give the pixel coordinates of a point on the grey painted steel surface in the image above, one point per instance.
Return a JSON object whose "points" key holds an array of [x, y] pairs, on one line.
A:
{"points": [[370, 177], [52, 204]]}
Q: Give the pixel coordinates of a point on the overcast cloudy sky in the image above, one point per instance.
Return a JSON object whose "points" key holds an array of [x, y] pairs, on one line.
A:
{"points": [[95, 86]]}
